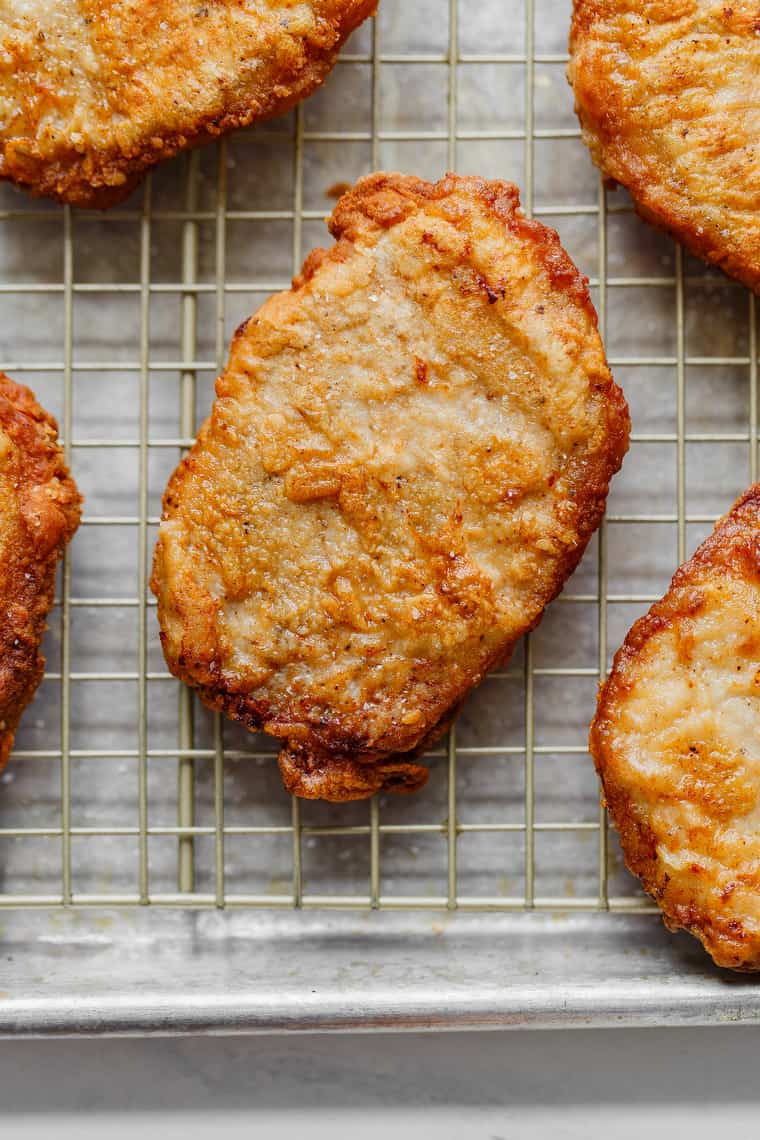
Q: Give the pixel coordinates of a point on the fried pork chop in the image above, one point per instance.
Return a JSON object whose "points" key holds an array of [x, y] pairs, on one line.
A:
{"points": [[668, 95], [95, 92], [406, 458], [676, 741], [39, 512]]}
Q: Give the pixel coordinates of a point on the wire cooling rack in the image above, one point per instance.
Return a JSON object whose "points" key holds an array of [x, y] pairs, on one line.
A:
{"points": [[122, 790]]}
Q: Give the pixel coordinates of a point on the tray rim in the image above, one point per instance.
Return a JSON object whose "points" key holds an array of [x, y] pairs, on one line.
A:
{"points": [[327, 972]]}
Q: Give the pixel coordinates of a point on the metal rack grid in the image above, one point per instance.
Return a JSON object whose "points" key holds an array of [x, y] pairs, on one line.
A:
{"points": [[202, 876]]}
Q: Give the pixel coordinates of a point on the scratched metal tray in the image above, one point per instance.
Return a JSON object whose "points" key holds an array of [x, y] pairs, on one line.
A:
{"points": [[154, 877]]}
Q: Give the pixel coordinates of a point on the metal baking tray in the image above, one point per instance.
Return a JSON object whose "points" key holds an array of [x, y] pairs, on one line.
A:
{"points": [[154, 877]]}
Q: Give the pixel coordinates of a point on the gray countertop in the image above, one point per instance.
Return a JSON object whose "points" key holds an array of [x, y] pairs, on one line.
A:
{"points": [[479, 1086]]}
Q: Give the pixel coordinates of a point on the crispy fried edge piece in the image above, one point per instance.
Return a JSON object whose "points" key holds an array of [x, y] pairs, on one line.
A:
{"points": [[27, 578], [99, 179], [653, 198], [735, 545], [328, 768], [338, 779]]}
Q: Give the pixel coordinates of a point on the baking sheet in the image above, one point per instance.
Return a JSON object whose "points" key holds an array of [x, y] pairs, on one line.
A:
{"points": [[123, 791]]}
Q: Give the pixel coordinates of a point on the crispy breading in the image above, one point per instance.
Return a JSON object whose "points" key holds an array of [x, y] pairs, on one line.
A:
{"points": [[39, 512], [93, 93], [676, 741], [406, 458], [668, 95]]}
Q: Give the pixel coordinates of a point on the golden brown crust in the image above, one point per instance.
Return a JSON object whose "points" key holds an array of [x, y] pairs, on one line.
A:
{"points": [[93, 94], [407, 456], [340, 779], [667, 96], [39, 512], [676, 742]]}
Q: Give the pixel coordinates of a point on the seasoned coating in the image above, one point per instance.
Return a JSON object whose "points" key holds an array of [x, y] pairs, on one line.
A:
{"points": [[406, 458], [668, 95], [676, 741], [95, 92], [39, 512]]}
